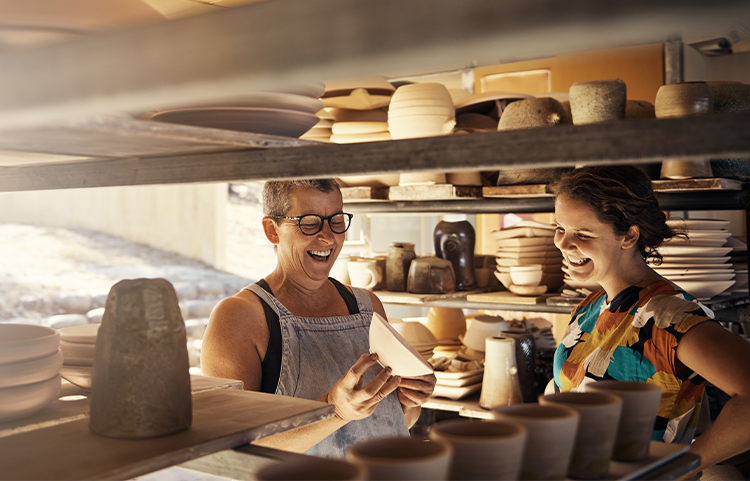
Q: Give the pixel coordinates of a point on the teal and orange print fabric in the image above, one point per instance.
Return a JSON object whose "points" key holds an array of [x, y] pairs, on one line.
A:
{"points": [[634, 338]]}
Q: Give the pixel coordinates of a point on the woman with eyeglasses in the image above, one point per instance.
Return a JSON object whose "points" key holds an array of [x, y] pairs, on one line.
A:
{"points": [[300, 333]]}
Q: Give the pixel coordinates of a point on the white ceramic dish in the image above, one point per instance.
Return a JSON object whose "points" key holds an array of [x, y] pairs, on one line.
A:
{"points": [[525, 241], [480, 328], [420, 126], [21, 401], [19, 342], [548, 253], [694, 271], [31, 370], [79, 350], [394, 351], [693, 260], [694, 251], [85, 334], [395, 113], [455, 393], [78, 375], [687, 265], [416, 334], [357, 128], [704, 289], [524, 261], [701, 277], [467, 381], [527, 290], [358, 138], [287, 123], [546, 248], [456, 375], [520, 276], [698, 224]]}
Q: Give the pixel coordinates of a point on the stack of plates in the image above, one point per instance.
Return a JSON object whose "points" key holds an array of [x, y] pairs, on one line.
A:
{"points": [[273, 113], [458, 384], [361, 93], [78, 344], [30, 361], [525, 244], [739, 264], [417, 335], [320, 132], [699, 265]]}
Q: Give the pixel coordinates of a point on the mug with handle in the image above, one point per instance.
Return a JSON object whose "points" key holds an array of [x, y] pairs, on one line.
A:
{"points": [[364, 273]]}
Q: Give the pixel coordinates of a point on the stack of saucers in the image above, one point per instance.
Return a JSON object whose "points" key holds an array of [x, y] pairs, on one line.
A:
{"points": [[320, 132], [30, 361], [421, 110], [528, 246], [699, 264], [739, 264], [78, 344]]}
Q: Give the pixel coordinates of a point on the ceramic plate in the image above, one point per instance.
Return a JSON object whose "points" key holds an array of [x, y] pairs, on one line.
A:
{"points": [[529, 248], [455, 393], [525, 241], [355, 128], [287, 123], [86, 333], [272, 100], [356, 138], [466, 381], [452, 375], [687, 265], [393, 350], [527, 290], [694, 251], [701, 277], [695, 271], [693, 260], [704, 289], [525, 261], [549, 254], [698, 224]]}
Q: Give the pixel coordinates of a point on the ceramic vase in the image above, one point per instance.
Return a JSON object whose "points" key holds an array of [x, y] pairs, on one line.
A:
{"points": [[525, 362], [599, 416], [550, 433], [640, 405], [500, 386], [454, 241], [400, 255], [483, 450]]}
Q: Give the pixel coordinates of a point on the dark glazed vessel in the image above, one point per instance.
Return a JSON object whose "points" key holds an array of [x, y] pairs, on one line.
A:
{"points": [[454, 242], [400, 255]]}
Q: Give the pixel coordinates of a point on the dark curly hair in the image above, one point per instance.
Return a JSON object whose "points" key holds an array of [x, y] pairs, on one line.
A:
{"points": [[622, 196]]}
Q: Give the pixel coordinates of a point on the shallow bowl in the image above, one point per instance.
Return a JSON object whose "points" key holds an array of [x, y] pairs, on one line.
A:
{"points": [[30, 371], [79, 350], [525, 277], [19, 342], [20, 401]]}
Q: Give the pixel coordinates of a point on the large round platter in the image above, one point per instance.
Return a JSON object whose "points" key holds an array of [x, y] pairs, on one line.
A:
{"points": [[86, 333], [668, 260], [704, 289], [698, 224], [694, 251]]}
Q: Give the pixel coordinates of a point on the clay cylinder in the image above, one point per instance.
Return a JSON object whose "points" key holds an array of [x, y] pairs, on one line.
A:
{"points": [[400, 255], [141, 379]]}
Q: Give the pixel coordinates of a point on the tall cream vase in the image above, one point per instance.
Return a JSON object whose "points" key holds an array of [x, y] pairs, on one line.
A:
{"points": [[500, 385]]}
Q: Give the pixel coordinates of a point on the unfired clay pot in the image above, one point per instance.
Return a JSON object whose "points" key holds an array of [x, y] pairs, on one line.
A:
{"points": [[596, 101]]}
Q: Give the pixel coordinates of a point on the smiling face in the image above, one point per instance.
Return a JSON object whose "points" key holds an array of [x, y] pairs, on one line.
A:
{"points": [[594, 253], [304, 257]]}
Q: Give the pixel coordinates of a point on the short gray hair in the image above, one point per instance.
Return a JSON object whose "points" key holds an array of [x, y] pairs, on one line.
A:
{"points": [[277, 195]]}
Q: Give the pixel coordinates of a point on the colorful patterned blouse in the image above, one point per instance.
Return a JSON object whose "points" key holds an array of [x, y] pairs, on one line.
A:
{"points": [[634, 338]]}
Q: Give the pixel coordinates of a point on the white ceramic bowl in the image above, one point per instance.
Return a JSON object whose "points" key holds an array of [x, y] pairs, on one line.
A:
{"points": [[704, 289], [480, 328], [84, 334], [420, 126], [30, 370], [526, 275], [416, 334], [20, 401], [419, 111], [79, 350], [19, 342]]}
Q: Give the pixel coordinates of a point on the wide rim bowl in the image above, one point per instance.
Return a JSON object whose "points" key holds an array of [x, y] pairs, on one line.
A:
{"points": [[30, 371], [20, 401], [19, 342]]}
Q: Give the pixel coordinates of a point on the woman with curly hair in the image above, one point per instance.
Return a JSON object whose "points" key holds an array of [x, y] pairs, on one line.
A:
{"points": [[640, 326]]}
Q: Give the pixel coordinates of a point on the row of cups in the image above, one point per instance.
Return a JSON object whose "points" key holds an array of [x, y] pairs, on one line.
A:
{"points": [[573, 434]]}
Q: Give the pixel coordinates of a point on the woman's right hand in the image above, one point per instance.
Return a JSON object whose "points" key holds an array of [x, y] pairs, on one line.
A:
{"points": [[355, 401]]}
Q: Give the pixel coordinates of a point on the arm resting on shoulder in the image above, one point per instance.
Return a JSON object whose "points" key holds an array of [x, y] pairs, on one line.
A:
{"points": [[723, 359]]}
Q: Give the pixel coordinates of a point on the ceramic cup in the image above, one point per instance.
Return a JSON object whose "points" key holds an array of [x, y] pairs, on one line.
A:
{"points": [[684, 100], [482, 450], [500, 384], [550, 433], [596, 101], [402, 458], [597, 430], [640, 404], [364, 273], [340, 269], [312, 468]]}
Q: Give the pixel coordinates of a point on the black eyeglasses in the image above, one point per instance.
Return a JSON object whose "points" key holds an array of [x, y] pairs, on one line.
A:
{"points": [[311, 224]]}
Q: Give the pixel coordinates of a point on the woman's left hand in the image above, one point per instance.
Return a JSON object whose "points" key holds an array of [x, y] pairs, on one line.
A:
{"points": [[414, 391]]}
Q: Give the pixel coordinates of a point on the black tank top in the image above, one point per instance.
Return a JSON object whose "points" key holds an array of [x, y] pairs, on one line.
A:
{"points": [[271, 364]]}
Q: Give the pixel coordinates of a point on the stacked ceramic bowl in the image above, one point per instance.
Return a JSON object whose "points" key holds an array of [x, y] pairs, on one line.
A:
{"points": [[78, 344], [421, 110], [417, 335], [699, 264], [528, 263], [447, 324], [30, 361]]}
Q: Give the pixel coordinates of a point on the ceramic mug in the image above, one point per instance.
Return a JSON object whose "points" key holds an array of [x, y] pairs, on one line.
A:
{"points": [[640, 405], [401, 457], [597, 430], [550, 432], [483, 450], [500, 384], [312, 467], [364, 273]]}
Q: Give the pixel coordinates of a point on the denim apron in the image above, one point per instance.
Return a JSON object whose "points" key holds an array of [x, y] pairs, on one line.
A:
{"points": [[317, 352]]}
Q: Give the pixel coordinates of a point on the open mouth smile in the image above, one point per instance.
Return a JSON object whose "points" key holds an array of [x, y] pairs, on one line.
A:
{"points": [[320, 256]]}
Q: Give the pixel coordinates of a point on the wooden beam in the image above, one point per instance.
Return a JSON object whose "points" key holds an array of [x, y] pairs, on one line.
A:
{"points": [[277, 45], [642, 141]]}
